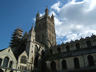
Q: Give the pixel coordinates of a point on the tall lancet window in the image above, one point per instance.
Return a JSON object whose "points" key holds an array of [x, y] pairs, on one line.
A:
{"points": [[10, 64], [6, 61]]}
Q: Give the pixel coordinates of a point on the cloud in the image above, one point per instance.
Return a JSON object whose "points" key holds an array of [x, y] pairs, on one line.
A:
{"points": [[74, 20], [56, 6], [90, 4]]}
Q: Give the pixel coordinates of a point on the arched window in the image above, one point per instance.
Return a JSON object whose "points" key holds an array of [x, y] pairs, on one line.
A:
{"points": [[0, 61], [67, 48], [88, 44], [10, 64], [23, 59], [90, 60], [64, 64], [6, 61], [77, 46], [76, 63], [58, 49], [53, 65]]}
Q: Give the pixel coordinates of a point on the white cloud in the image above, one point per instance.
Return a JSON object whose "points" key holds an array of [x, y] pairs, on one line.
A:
{"points": [[90, 4], [75, 19], [56, 6]]}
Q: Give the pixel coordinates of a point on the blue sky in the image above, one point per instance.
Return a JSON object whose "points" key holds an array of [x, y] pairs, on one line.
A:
{"points": [[73, 18], [18, 13]]}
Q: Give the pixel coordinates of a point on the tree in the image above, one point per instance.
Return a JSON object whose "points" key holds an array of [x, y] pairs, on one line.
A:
{"points": [[16, 39]]}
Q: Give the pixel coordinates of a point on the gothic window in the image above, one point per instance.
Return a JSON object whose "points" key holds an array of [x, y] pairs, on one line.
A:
{"points": [[58, 49], [23, 59], [88, 43], [0, 61], [64, 64], [10, 64], [67, 48], [53, 65], [77, 46], [5, 63], [90, 60], [76, 63]]}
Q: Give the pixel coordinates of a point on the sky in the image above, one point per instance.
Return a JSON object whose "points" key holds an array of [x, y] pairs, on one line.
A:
{"points": [[73, 18]]}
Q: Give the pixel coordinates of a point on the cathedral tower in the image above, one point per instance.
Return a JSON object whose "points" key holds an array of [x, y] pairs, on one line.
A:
{"points": [[45, 29]]}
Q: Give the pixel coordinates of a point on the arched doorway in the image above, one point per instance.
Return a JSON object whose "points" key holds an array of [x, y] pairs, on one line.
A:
{"points": [[76, 63], [90, 60], [53, 66], [64, 64]]}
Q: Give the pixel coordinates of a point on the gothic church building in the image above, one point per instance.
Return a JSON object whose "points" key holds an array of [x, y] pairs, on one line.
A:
{"points": [[37, 51]]}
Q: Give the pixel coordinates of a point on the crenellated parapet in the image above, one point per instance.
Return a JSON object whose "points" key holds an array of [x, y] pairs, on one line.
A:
{"points": [[83, 43]]}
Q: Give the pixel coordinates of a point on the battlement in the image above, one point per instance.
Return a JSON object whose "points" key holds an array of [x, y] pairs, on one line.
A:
{"points": [[83, 43]]}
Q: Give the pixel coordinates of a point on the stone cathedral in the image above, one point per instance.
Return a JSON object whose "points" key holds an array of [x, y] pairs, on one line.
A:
{"points": [[37, 51]]}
